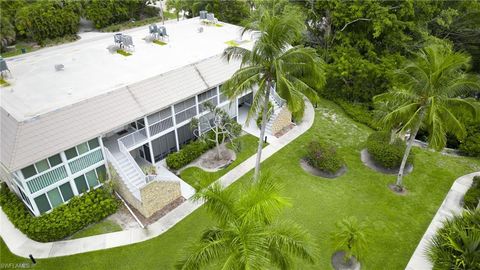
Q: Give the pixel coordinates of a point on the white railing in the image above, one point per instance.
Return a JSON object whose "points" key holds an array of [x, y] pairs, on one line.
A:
{"points": [[86, 160], [117, 167], [134, 138], [279, 100], [132, 161], [161, 126]]}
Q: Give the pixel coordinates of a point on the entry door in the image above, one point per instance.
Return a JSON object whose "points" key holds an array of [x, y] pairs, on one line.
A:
{"points": [[146, 153]]}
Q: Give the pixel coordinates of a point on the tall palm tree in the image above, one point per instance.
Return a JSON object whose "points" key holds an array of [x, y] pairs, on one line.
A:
{"points": [[429, 95], [294, 72], [247, 235]]}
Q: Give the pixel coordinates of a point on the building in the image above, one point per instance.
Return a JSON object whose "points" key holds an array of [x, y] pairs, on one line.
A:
{"points": [[60, 127]]}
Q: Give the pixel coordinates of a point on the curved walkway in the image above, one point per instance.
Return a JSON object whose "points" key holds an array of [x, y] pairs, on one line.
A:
{"points": [[21, 245], [451, 206]]}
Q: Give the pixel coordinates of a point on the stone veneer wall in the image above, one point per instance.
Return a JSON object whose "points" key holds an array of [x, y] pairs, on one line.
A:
{"points": [[158, 194], [284, 118], [155, 195]]}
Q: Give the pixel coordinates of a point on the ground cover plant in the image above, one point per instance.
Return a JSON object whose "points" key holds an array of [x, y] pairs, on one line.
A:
{"points": [[396, 223]]}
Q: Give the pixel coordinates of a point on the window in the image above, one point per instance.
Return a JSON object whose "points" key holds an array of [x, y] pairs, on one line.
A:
{"points": [[24, 197], [164, 145], [81, 184], [92, 179], [54, 160], [42, 203], [159, 116], [185, 134], [181, 106], [28, 171], [93, 143], [71, 153], [82, 148], [102, 173], [55, 197], [42, 166], [66, 190], [207, 94]]}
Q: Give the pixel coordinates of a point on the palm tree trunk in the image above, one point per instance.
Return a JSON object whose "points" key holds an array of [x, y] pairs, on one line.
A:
{"points": [[262, 131], [411, 139]]}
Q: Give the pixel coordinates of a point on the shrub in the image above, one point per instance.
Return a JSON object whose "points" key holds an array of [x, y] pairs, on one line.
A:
{"points": [[324, 157], [62, 221], [470, 146], [187, 154], [457, 244], [359, 112], [384, 153], [472, 197]]}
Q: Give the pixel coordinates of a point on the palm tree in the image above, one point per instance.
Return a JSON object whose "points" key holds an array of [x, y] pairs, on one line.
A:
{"points": [[247, 235], [429, 95], [295, 72], [351, 237]]}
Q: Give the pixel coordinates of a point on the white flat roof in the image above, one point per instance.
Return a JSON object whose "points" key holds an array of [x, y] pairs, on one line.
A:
{"points": [[90, 69]]}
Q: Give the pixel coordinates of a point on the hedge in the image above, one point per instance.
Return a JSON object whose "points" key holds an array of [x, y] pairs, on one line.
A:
{"points": [[470, 146], [62, 221], [472, 197], [359, 112], [324, 157], [388, 155]]}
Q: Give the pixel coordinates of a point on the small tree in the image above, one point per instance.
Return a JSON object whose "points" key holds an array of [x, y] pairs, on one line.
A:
{"points": [[215, 127], [350, 237]]}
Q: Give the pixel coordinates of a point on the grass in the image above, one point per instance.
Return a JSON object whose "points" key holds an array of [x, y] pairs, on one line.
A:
{"points": [[218, 25], [3, 82], [159, 42], [130, 24], [249, 144], [396, 223], [18, 49], [232, 43], [104, 226], [123, 52], [30, 46]]}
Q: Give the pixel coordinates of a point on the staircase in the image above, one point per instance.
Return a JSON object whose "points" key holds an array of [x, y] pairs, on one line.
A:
{"points": [[133, 180], [277, 103]]}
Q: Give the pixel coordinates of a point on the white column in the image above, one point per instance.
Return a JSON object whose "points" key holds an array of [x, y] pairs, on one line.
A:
{"points": [[150, 146], [69, 173], [197, 105], [175, 126], [218, 95]]}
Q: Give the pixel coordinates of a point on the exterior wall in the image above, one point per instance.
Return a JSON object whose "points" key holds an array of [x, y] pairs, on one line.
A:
{"points": [[157, 194], [40, 184], [284, 118]]}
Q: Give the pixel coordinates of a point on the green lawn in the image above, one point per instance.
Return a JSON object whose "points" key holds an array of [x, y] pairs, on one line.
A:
{"points": [[104, 226], [396, 222], [18, 49], [249, 144]]}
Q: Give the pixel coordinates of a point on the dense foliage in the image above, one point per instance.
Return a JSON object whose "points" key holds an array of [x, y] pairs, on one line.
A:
{"points": [[472, 197], [62, 221], [108, 12], [457, 244], [231, 11], [324, 157], [359, 112], [470, 145], [384, 152]]}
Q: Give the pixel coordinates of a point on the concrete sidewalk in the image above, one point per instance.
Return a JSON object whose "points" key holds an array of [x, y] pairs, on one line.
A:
{"points": [[21, 245], [451, 206]]}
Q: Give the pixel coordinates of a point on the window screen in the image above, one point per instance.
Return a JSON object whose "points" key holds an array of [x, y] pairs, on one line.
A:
{"points": [[29, 171], [55, 160], [82, 148], [66, 190], [81, 184], [42, 165], [102, 173], [55, 198], [42, 203], [71, 153], [92, 179], [93, 143]]}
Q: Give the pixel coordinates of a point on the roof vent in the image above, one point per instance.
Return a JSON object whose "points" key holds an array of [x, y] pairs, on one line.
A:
{"points": [[59, 67], [203, 14], [200, 29]]}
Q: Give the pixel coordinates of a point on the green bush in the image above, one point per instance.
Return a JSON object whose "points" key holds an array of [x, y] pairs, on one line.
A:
{"points": [[457, 244], [187, 154], [472, 197], [359, 112], [324, 157], [384, 153], [470, 146], [62, 221]]}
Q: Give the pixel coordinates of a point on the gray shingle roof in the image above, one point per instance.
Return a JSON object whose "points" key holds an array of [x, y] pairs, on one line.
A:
{"points": [[23, 143]]}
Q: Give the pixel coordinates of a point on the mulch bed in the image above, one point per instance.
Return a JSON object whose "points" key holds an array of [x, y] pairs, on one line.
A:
{"points": [[317, 172], [369, 162], [284, 130], [339, 263]]}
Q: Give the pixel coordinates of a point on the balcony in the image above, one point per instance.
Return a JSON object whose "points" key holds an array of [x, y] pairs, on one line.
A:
{"points": [[46, 178], [135, 138], [86, 160], [161, 126]]}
